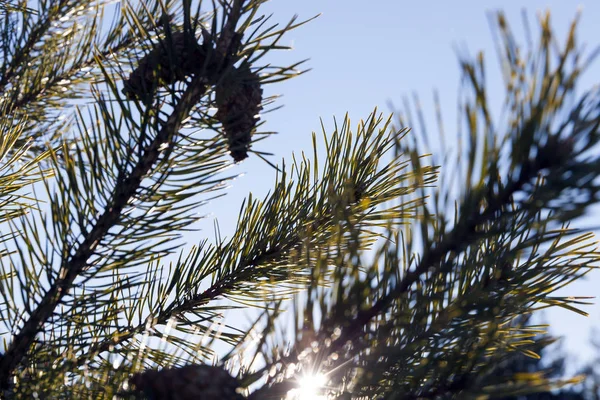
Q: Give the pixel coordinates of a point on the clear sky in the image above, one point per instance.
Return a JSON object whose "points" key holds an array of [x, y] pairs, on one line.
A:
{"points": [[366, 53]]}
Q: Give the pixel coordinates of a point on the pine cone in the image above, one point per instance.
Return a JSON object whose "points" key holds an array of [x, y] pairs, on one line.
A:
{"points": [[238, 94], [192, 382], [171, 60], [239, 100]]}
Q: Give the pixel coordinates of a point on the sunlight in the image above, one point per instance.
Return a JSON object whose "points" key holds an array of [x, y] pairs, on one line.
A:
{"points": [[310, 388]]}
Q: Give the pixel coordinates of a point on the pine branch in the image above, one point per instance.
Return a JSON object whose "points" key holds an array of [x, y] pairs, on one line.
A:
{"points": [[463, 235], [63, 60], [73, 268], [458, 239], [124, 192], [108, 148], [546, 155], [278, 258], [34, 96], [34, 35]]}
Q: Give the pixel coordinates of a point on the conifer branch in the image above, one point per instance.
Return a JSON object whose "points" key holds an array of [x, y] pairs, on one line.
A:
{"points": [[462, 236], [544, 153], [75, 265], [123, 193], [34, 36], [278, 261]]}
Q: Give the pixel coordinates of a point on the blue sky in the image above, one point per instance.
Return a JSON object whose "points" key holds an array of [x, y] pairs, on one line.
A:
{"points": [[366, 54]]}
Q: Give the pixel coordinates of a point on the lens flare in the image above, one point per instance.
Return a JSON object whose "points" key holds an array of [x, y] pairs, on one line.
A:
{"points": [[310, 387]]}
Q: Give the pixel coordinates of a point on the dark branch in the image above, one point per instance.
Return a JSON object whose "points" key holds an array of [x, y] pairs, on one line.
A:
{"points": [[455, 241], [124, 192]]}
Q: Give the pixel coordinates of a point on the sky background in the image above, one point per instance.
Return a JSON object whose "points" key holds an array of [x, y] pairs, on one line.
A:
{"points": [[367, 54]]}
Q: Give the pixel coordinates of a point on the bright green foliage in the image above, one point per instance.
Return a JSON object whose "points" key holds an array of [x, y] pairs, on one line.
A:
{"points": [[410, 286]]}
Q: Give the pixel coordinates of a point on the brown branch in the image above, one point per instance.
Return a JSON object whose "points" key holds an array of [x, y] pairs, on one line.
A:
{"points": [[124, 192], [461, 236], [456, 241], [71, 269], [243, 273], [217, 290]]}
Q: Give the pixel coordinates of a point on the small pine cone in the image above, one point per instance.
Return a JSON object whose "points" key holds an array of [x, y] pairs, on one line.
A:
{"points": [[182, 52], [191, 382], [238, 101]]}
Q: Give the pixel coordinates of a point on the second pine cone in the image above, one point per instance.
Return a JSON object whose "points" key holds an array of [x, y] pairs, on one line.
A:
{"points": [[171, 60], [238, 100]]}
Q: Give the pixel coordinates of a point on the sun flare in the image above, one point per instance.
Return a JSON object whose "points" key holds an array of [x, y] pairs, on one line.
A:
{"points": [[310, 387]]}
